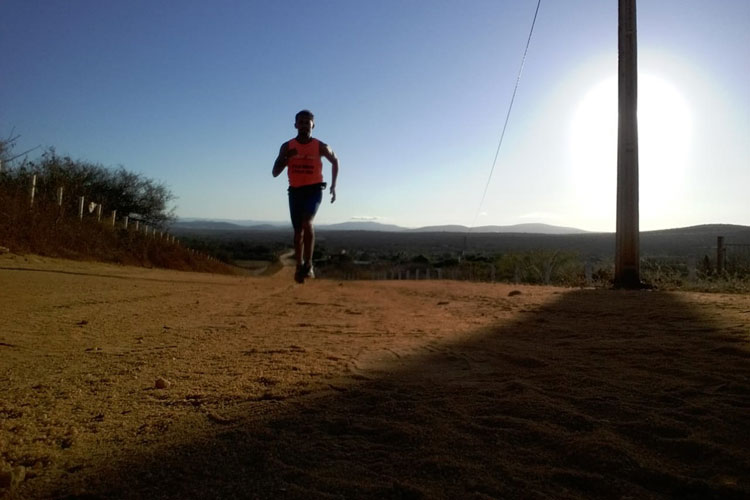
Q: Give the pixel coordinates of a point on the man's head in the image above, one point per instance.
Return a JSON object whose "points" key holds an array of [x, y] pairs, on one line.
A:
{"points": [[304, 113], [304, 122]]}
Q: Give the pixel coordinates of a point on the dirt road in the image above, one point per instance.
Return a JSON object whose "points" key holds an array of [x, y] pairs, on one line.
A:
{"points": [[122, 382]]}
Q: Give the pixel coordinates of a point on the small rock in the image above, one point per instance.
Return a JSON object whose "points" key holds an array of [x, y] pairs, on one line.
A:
{"points": [[4, 250], [513, 293], [219, 419], [19, 474], [6, 476], [10, 477], [162, 383]]}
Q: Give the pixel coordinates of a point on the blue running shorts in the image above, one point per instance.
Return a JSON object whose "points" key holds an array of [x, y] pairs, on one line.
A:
{"points": [[304, 201]]}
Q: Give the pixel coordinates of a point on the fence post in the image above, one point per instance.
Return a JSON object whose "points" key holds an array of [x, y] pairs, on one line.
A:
{"points": [[114, 217], [137, 223], [98, 212], [59, 196], [720, 254], [125, 222], [80, 209], [691, 268], [33, 190]]}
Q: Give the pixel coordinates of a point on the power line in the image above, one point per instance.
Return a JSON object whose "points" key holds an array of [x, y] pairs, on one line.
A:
{"points": [[507, 117]]}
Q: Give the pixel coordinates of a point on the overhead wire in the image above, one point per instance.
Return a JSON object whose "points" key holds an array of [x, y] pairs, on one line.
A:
{"points": [[507, 119]]}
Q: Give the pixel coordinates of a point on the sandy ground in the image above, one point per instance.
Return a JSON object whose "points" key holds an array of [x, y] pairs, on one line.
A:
{"points": [[335, 390]]}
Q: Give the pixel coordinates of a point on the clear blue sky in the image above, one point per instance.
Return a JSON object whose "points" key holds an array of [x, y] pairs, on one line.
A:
{"points": [[411, 95]]}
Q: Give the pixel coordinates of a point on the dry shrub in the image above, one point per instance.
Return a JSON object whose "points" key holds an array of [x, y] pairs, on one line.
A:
{"points": [[45, 229]]}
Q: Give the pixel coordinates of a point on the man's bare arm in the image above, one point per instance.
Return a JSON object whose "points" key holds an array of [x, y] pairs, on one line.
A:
{"points": [[281, 161], [325, 150]]}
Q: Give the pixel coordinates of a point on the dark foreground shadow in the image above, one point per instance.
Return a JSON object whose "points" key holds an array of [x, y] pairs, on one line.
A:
{"points": [[600, 395]]}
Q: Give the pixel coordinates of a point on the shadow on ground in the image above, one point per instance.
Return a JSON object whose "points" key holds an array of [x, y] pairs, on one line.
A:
{"points": [[601, 394]]}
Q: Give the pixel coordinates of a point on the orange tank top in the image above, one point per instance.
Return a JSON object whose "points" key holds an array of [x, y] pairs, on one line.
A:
{"points": [[305, 167]]}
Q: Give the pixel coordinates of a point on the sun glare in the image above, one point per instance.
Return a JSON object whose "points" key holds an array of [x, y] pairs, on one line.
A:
{"points": [[664, 127]]}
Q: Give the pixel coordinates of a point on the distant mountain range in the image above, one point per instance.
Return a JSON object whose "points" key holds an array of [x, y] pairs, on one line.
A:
{"points": [[532, 228], [249, 225]]}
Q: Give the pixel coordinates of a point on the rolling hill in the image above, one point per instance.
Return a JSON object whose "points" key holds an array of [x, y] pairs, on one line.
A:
{"points": [[245, 225]]}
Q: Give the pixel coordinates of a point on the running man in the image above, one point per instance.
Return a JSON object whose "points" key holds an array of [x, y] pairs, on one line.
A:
{"points": [[303, 157]]}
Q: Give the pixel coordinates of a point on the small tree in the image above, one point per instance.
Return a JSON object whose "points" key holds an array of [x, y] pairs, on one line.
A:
{"points": [[129, 193]]}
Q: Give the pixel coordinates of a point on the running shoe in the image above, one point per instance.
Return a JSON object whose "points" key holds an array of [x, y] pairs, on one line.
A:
{"points": [[299, 274], [308, 271]]}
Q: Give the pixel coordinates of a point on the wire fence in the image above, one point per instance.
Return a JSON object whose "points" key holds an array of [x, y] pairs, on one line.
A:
{"points": [[725, 262], [36, 211]]}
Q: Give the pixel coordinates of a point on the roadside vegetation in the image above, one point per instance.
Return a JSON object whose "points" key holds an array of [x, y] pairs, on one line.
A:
{"points": [[41, 213], [542, 267], [672, 261]]}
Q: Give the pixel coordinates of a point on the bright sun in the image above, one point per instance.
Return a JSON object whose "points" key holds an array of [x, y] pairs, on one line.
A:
{"points": [[663, 140]]}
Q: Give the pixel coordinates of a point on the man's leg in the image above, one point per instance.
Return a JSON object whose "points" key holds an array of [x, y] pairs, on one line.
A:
{"points": [[305, 206], [308, 237], [298, 248], [295, 210], [299, 271]]}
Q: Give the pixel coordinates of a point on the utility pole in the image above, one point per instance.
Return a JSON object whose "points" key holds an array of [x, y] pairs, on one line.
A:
{"points": [[627, 252]]}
